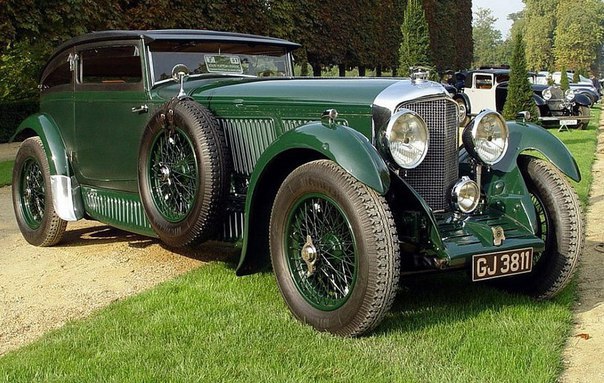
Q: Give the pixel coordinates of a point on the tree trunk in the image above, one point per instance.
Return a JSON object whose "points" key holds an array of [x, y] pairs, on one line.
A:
{"points": [[361, 71], [378, 71], [342, 70], [316, 70], [304, 69]]}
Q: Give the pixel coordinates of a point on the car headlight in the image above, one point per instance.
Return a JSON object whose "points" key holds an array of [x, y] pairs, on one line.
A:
{"points": [[486, 137], [465, 195], [547, 93], [569, 94], [407, 137]]}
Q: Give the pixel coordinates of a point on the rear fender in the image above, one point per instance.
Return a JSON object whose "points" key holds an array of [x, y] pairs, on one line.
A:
{"points": [[66, 196], [43, 126]]}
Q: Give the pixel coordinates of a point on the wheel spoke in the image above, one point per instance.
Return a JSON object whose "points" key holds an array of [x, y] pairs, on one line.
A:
{"points": [[542, 229], [173, 173], [33, 197], [329, 286]]}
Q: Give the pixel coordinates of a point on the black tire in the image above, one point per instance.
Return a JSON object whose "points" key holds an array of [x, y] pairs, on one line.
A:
{"points": [[583, 112], [32, 196], [560, 224], [183, 173], [357, 266]]}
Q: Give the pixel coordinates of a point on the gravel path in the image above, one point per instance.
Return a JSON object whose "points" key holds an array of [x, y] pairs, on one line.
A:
{"points": [[584, 354], [42, 288]]}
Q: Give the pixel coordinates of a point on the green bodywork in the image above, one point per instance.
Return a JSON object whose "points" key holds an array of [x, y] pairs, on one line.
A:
{"points": [[525, 137], [43, 126], [275, 124]]}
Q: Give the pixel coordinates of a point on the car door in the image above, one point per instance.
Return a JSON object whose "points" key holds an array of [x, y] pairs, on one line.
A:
{"points": [[56, 94], [110, 114], [482, 92]]}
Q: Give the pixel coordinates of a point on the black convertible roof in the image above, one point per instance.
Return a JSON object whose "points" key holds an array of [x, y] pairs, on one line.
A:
{"points": [[175, 34]]}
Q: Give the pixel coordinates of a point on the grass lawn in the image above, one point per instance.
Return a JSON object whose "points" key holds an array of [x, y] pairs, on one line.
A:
{"points": [[6, 172], [212, 326]]}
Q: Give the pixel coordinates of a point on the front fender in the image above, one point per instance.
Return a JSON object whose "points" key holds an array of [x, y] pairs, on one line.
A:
{"points": [[44, 127], [582, 99], [343, 145], [540, 101], [466, 100], [526, 136]]}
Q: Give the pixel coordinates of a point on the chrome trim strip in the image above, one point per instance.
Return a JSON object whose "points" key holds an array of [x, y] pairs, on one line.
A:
{"points": [[405, 90]]}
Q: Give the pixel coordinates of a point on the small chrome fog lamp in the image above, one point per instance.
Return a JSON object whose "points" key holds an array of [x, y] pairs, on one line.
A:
{"points": [[486, 137], [569, 95], [547, 93], [407, 138], [465, 195]]}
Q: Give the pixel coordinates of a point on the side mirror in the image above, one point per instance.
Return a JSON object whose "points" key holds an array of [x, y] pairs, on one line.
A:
{"points": [[179, 72]]}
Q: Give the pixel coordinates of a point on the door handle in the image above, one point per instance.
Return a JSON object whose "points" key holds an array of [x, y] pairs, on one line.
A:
{"points": [[140, 109]]}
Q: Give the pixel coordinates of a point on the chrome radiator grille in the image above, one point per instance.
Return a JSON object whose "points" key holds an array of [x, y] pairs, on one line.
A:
{"points": [[433, 177]]}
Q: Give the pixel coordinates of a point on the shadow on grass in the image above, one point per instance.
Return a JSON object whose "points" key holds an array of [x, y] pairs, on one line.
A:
{"points": [[430, 300], [423, 301]]}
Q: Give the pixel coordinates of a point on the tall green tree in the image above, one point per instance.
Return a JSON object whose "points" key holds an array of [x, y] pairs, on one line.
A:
{"points": [[31, 29], [579, 34], [462, 28], [415, 42], [520, 94], [450, 24], [564, 83], [539, 26], [487, 39]]}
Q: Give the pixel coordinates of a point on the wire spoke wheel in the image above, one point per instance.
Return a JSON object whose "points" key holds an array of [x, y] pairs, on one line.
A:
{"points": [[32, 196], [334, 249], [173, 174], [32, 192], [543, 223], [327, 284], [184, 173], [558, 223]]}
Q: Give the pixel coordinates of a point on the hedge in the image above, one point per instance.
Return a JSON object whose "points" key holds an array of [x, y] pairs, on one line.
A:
{"points": [[11, 115]]}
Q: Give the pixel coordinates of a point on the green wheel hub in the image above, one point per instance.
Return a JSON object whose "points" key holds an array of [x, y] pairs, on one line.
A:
{"points": [[32, 193], [321, 252], [173, 174]]}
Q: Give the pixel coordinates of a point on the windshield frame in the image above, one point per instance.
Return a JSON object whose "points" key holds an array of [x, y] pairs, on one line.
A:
{"points": [[286, 58]]}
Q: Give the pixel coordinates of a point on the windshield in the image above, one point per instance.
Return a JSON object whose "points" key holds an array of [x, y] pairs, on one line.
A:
{"points": [[202, 57]]}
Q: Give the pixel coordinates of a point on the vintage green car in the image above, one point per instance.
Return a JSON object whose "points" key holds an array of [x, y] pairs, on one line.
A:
{"points": [[348, 184]]}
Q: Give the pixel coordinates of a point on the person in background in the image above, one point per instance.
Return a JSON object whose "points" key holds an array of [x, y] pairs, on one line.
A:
{"points": [[596, 83]]}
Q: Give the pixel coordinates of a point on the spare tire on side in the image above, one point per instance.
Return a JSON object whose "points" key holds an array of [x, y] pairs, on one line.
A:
{"points": [[183, 173]]}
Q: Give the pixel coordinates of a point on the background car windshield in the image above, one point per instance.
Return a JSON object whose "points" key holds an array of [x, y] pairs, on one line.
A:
{"points": [[214, 57]]}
